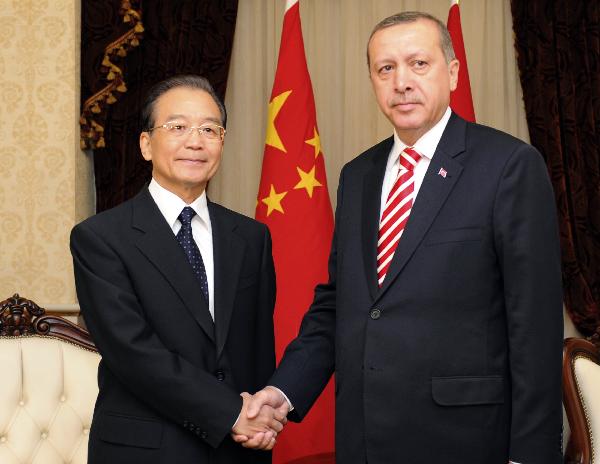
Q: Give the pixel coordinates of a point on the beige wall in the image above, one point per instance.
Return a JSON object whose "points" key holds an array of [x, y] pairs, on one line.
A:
{"points": [[45, 181]]}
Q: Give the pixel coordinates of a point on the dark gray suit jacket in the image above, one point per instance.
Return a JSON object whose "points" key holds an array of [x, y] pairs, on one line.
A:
{"points": [[170, 378], [457, 357]]}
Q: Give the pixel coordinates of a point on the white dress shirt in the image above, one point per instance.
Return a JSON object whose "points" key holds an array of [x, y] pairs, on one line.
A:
{"points": [[170, 205], [425, 146]]}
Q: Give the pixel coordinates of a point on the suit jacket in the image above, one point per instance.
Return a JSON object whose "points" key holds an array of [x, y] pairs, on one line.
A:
{"points": [[457, 357], [170, 378]]}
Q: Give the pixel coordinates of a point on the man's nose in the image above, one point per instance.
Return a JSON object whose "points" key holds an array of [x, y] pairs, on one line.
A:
{"points": [[193, 139], [402, 79]]}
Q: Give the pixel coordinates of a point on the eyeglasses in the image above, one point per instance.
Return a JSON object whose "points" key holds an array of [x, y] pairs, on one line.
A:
{"points": [[208, 131]]}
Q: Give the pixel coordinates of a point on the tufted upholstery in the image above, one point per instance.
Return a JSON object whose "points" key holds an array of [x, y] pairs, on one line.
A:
{"points": [[581, 384], [47, 390]]}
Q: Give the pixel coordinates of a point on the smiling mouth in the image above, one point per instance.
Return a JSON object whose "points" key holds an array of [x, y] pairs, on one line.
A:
{"points": [[192, 160]]}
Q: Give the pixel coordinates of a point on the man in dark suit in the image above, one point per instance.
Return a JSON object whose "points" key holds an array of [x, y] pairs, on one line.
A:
{"points": [[178, 294], [442, 317]]}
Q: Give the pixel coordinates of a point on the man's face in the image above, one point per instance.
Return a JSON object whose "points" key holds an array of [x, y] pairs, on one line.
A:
{"points": [[410, 76], [185, 164]]}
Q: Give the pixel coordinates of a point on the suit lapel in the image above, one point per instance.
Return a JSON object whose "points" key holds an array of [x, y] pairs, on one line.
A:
{"points": [[160, 246], [432, 195], [371, 204], [228, 254]]}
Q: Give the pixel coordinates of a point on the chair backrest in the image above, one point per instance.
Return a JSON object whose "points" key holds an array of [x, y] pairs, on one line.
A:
{"points": [[48, 386], [581, 397]]}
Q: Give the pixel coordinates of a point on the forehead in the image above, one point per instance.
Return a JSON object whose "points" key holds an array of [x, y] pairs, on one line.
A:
{"points": [[421, 35], [187, 102]]}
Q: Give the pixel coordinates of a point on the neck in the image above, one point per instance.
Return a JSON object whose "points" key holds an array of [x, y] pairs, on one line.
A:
{"points": [[189, 197], [187, 193], [408, 139]]}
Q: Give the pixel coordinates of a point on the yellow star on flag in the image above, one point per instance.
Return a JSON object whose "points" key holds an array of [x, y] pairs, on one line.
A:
{"points": [[273, 201], [315, 142], [275, 106], [308, 181]]}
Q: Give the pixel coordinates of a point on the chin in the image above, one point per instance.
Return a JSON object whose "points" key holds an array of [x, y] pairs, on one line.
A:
{"points": [[404, 125], [194, 181], [410, 120]]}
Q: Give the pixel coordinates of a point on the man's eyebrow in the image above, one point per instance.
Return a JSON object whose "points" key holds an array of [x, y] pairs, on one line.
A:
{"points": [[182, 116], [175, 116], [215, 120], [418, 53]]}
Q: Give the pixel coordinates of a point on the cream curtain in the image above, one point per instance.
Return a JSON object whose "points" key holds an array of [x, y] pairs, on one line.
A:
{"points": [[335, 37]]}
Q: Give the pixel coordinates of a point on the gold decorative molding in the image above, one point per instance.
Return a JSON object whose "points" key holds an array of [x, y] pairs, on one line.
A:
{"points": [[93, 116]]}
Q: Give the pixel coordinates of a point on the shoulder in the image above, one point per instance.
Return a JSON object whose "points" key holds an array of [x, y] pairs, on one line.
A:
{"points": [[367, 158], [499, 161], [486, 139], [487, 151], [111, 221], [237, 220]]}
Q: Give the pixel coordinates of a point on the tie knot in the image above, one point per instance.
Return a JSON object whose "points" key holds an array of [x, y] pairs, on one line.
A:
{"points": [[186, 215], [409, 158]]}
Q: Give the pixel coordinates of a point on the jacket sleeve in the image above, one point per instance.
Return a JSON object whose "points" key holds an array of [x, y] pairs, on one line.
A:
{"points": [[265, 334], [527, 244], [133, 352], [309, 359]]}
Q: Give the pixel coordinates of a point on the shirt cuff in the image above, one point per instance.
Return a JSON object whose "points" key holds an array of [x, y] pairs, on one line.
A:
{"points": [[236, 421], [291, 406]]}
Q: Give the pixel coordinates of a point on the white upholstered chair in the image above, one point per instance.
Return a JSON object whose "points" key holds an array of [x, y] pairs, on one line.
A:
{"points": [[48, 386], [581, 396]]}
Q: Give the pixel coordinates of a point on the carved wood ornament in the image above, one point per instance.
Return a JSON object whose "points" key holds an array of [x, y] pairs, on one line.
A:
{"points": [[20, 316], [17, 315]]}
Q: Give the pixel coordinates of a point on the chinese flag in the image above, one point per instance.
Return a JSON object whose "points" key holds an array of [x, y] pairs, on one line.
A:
{"points": [[461, 100], [294, 202]]}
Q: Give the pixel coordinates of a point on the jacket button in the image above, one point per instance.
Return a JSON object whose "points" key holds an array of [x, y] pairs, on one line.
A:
{"points": [[220, 375], [204, 435], [375, 314]]}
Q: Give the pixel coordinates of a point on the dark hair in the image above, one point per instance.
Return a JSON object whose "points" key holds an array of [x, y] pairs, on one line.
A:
{"points": [[191, 81], [411, 17]]}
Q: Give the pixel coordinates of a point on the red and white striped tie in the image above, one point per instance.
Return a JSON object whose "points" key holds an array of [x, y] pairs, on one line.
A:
{"points": [[396, 211]]}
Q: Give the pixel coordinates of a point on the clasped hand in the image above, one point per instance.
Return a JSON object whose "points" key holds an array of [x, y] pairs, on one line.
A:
{"points": [[261, 419]]}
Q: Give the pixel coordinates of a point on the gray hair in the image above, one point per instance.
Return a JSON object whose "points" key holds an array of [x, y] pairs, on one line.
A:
{"points": [[411, 17], [191, 81]]}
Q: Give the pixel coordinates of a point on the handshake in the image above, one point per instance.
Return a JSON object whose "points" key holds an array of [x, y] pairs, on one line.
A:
{"points": [[262, 417]]}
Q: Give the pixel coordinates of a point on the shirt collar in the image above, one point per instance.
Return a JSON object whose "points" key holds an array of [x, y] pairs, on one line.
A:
{"points": [[170, 205], [427, 143]]}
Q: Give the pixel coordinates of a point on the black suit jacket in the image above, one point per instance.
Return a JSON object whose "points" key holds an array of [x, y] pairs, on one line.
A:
{"points": [[170, 378], [457, 357]]}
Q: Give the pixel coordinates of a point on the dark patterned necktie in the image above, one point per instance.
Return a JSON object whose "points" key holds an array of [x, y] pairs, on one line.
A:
{"points": [[186, 240]]}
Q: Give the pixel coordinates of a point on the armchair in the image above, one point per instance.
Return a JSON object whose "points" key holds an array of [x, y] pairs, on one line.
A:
{"points": [[48, 386], [581, 397]]}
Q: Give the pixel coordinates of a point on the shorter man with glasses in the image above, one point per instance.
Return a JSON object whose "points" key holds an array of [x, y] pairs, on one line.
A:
{"points": [[178, 294]]}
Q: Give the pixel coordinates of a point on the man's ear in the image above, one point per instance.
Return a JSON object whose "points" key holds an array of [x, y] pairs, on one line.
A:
{"points": [[453, 70], [146, 146]]}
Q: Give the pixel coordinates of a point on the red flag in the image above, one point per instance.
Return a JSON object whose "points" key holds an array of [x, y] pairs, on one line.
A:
{"points": [[294, 202], [461, 100]]}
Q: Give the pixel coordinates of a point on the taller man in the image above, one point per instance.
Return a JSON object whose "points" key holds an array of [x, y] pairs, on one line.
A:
{"points": [[178, 294], [442, 316]]}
